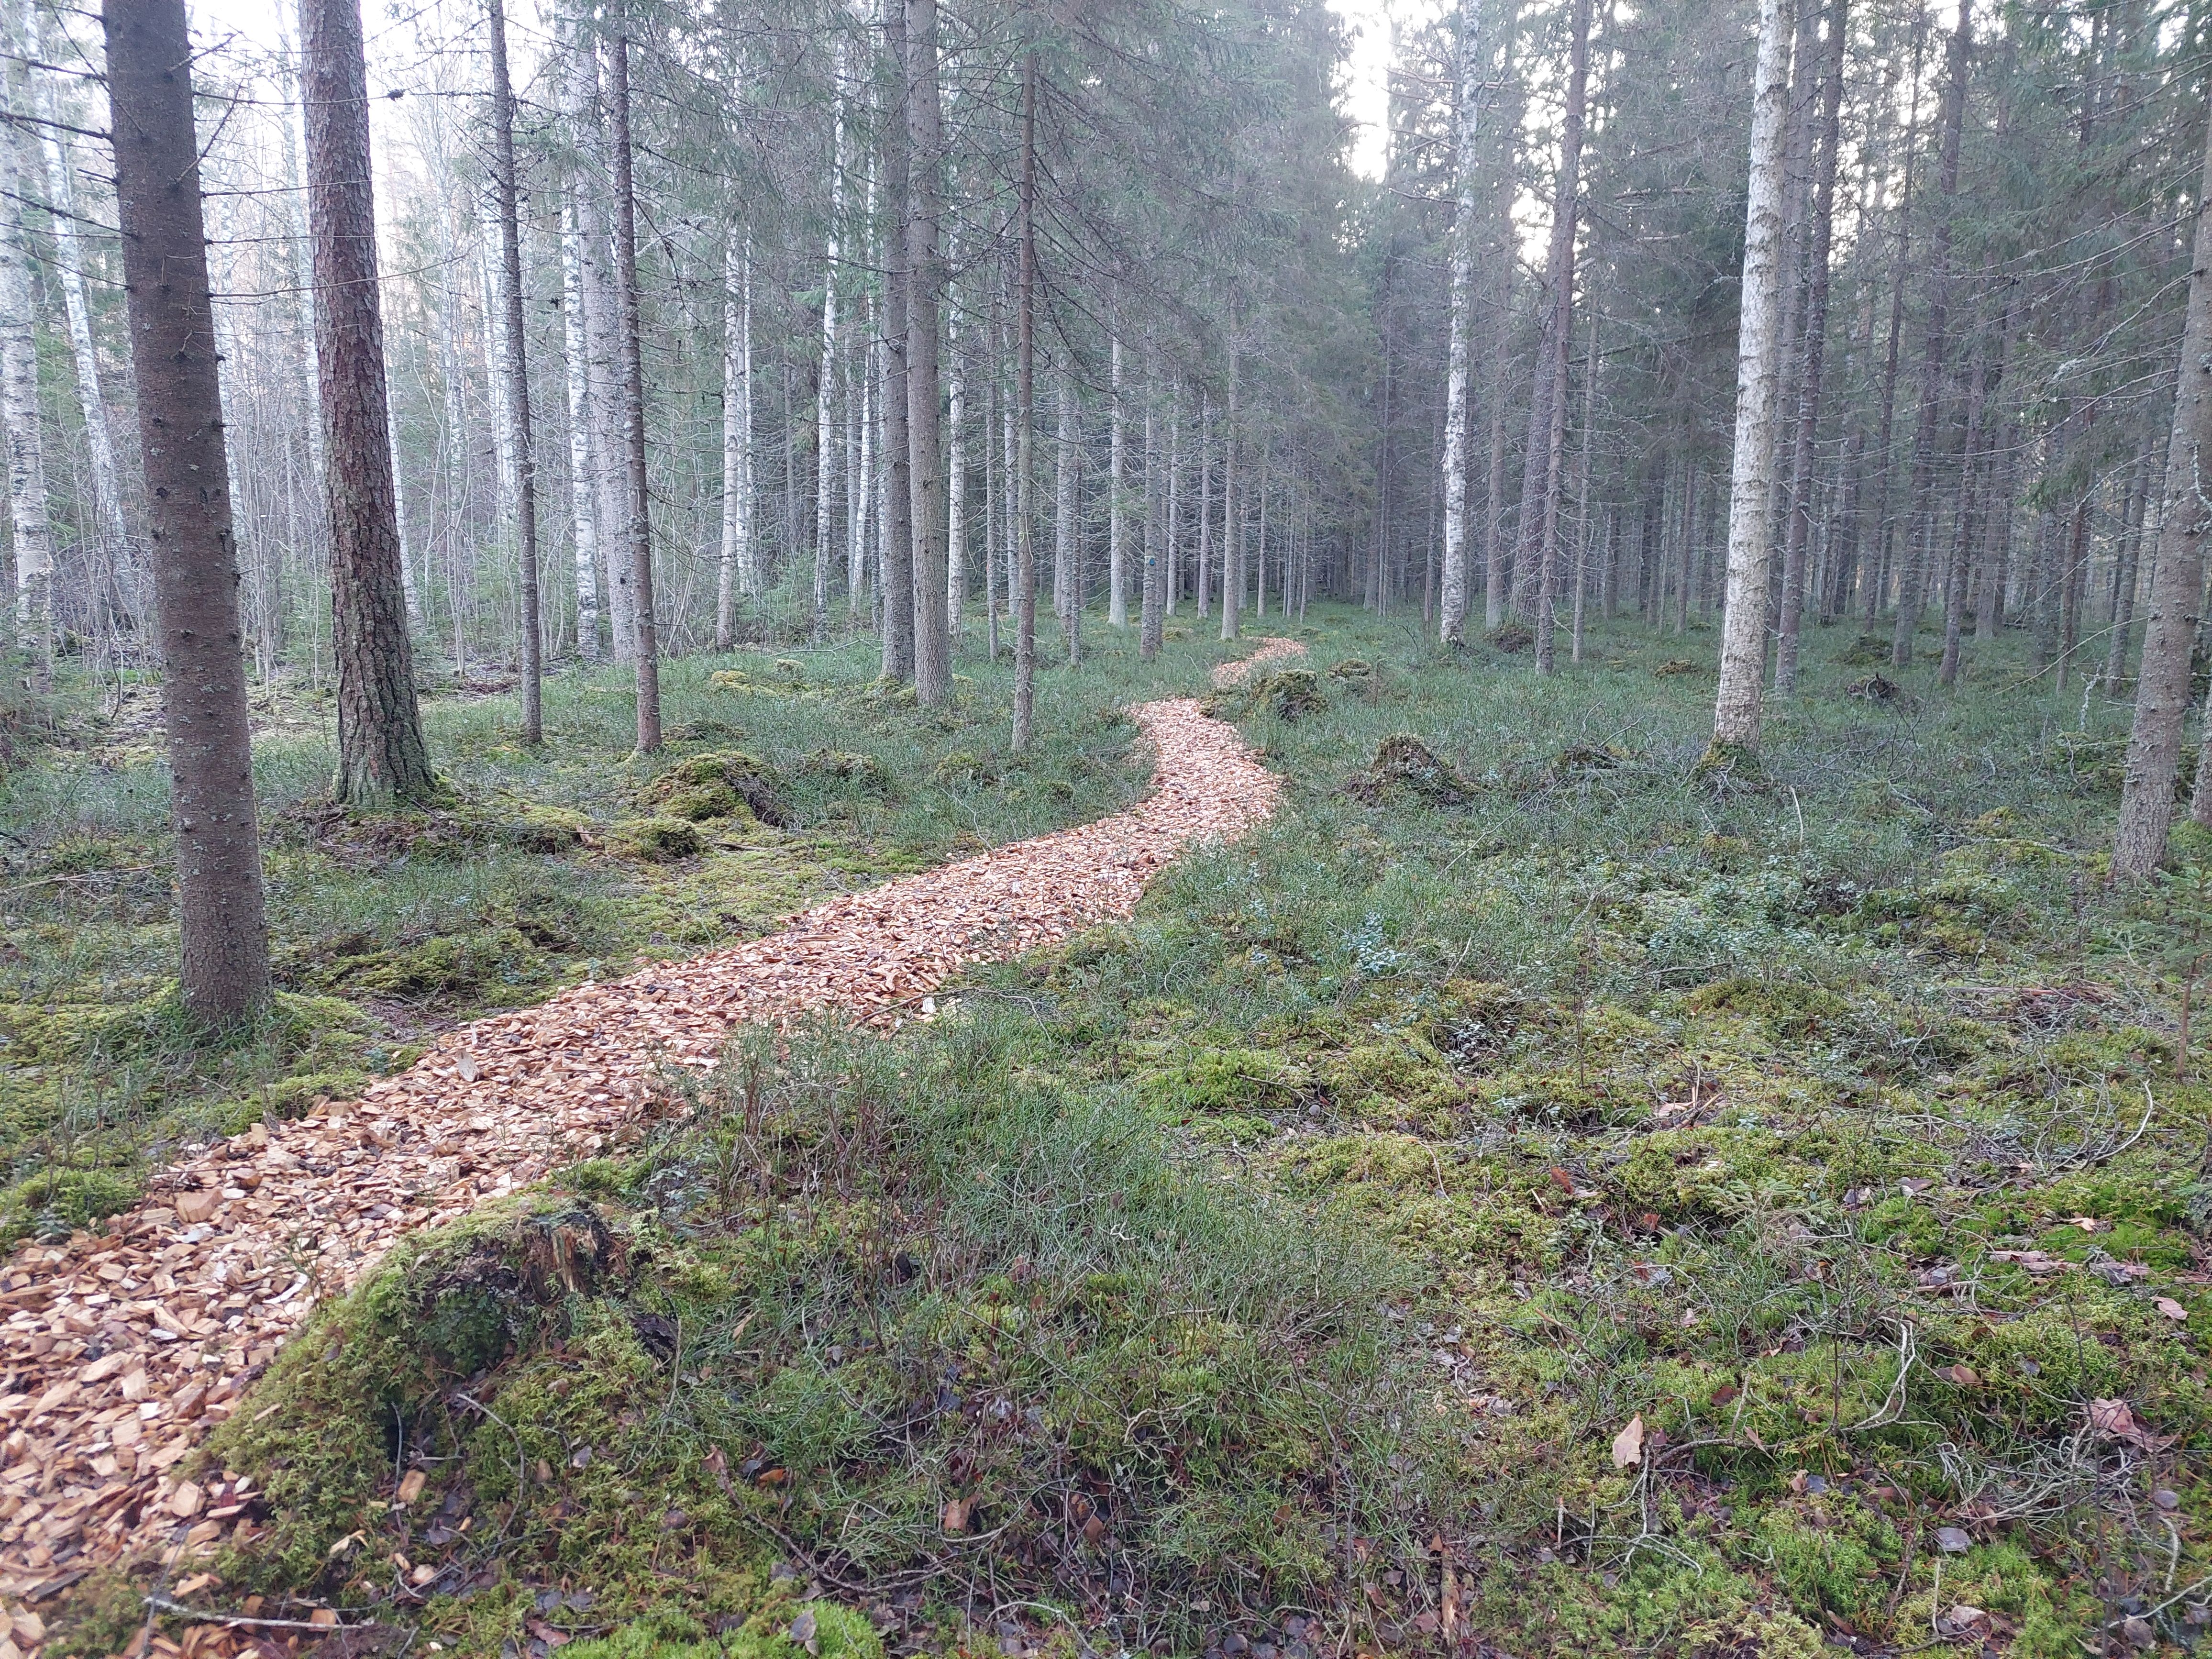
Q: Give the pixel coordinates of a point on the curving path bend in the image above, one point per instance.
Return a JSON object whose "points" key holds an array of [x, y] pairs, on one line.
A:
{"points": [[119, 1350]]}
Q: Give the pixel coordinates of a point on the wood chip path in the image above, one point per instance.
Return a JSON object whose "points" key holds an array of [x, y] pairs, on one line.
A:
{"points": [[120, 1350]]}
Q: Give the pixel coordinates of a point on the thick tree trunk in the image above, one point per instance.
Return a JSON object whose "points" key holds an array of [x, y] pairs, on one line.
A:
{"points": [[1812, 351], [523, 480], [382, 759], [739, 573], [1466, 208], [2177, 580], [933, 635], [1024, 593], [1751, 493], [640, 561], [220, 910]]}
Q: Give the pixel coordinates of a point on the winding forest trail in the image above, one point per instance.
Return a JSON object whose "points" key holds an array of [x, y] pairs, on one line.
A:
{"points": [[120, 1350]]}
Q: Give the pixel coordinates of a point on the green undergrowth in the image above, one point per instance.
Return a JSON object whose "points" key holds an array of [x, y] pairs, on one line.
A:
{"points": [[784, 780], [1822, 1120], [908, 1326]]}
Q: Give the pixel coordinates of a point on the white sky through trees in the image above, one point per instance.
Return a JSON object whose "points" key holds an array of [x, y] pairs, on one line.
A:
{"points": [[260, 25]]}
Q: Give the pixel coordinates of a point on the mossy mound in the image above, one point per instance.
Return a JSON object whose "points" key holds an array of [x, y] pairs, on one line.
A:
{"points": [[1510, 636], [655, 840], [1288, 694], [722, 784], [961, 766], [1403, 762], [864, 772]]}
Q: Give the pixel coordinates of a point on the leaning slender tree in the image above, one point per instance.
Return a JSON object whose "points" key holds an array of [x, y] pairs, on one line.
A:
{"points": [[2177, 580], [516, 390], [382, 759], [639, 539], [221, 914]]}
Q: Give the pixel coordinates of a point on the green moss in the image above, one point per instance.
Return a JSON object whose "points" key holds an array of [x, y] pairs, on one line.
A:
{"points": [[655, 840], [724, 784]]}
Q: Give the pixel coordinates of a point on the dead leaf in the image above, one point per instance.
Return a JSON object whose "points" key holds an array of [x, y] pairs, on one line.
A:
{"points": [[2114, 1419], [1953, 1541], [1628, 1444], [955, 1515], [2170, 1308], [467, 1065], [411, 1488]]}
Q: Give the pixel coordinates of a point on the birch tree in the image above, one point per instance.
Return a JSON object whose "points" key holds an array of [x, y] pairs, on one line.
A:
{"points": [[1751, 489], [1466, 207], [28, 520]]}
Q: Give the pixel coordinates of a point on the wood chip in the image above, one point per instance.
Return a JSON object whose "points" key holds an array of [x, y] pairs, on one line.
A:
{"points": [[498, 1106]]}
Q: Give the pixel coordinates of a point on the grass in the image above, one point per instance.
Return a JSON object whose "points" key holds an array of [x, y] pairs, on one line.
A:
{"points": [[550, 866], [1819, 1131]]}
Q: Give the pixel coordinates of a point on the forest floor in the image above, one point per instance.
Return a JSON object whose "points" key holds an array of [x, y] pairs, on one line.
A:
{"points": [[1532, 1196]]}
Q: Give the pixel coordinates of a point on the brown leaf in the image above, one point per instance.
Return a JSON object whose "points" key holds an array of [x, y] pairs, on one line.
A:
{"points": [[411, 1488], [1628, 1444], [2170, 1308], [955, 1515]]}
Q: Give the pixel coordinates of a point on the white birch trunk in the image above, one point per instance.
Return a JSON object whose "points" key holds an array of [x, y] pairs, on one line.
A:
{"points": [[1117, 601], [1067, 580], [602, 330], [1466, 208], [956, 478], [19, 375], [583, 469], [825, 401], [112, 537], [737, 575], [1758, 339], [1174, 498]]}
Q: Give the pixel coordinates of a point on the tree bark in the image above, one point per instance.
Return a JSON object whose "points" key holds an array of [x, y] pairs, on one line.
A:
{"points": [[1232, 527], [739, 574], [583, 460], [220, 912], [1751, 493], [640, 539], [1117, 574], [933, 634], [29, 523], [1560, 265], [1024, 594], [2177, 580], [826, 415], [1067, 531], [1812, 351], [382, 759], [1205, 503], [897, 528], [1152, 603], [1466, 208], [602, 330], [1911, 593], [523, 459]]}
